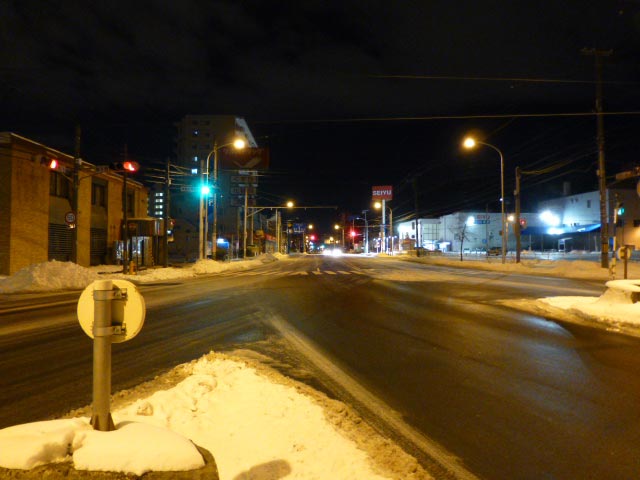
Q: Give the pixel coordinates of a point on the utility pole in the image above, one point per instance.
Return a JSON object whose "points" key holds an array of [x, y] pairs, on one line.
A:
{"points": [[244, 229], [414, 183], [76, 192], [167, 185], [125, 219], [516, 227], [604, 223]]}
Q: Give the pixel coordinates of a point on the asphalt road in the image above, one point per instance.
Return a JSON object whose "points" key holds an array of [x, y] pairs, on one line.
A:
{"points": [[505, 394]]}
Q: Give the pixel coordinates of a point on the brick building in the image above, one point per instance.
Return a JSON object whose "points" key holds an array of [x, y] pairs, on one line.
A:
{"points": [[36, 207]]}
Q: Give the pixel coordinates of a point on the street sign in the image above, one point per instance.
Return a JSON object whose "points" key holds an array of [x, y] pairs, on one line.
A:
{"points": [[384, 192], [187, 189], [127, 310], [624, 253], [70, 218]]}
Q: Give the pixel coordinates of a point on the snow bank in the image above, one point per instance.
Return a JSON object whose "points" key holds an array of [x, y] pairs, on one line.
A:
{"points": [[49, 276], [54, 275], [256, 425]]}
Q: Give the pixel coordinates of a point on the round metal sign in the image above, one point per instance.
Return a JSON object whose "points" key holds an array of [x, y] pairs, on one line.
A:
{"points": [[127, 310], [70, 218], [624, 253]]}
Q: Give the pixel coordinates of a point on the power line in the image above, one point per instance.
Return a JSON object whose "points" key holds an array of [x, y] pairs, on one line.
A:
{"points": [[499, 79], [447, 117]]}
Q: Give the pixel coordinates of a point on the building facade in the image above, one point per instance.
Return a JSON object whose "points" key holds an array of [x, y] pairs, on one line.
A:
{"points": [[37, 204], [474, 230], [575, 219], [570, 222], [237, 185]]}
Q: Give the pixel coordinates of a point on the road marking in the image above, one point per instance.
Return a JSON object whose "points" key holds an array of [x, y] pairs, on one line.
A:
{"points": [[330, 272], [344, 273]]}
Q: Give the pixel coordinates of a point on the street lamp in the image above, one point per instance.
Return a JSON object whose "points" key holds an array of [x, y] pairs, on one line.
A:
{"points": [[470, 143], [338, 227], [258, 209], [366, 232], [383, 206], [238, 144]]}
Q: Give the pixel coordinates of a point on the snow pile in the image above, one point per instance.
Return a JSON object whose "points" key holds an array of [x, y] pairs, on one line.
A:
{"points": [[54, 275], [616, 307], [578, 269], [254, 424], [49, 276], [147, 448]]}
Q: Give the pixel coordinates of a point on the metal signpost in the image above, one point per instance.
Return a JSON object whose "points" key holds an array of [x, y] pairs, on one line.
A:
{"points": [[109, 311]]}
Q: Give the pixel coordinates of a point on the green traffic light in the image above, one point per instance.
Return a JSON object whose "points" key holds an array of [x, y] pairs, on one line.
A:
{"points": [[205, 190]]}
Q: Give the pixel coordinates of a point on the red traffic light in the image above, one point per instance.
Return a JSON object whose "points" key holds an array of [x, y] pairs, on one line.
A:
{"points": [[127, 166], [131, 166], [353, 233]]}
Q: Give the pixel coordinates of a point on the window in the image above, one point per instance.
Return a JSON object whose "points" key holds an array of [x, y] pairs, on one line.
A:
{"points": [[59, 185], [98, 195]]}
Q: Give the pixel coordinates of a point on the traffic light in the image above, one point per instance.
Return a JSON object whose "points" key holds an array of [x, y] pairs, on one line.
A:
{"points": [[352, 233], [127, 166], [205, 190], [620, 209], [52, 163]]}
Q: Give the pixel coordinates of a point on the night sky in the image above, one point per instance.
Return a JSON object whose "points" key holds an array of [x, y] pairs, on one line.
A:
{"points": [[346, 94]]}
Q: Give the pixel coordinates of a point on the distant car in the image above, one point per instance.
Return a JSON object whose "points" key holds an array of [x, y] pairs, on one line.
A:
{"points": [[497, 251]]}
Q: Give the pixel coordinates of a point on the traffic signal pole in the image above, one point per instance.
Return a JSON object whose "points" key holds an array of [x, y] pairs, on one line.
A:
{"points": [[76, 192], [125, 220], [517, 227]]}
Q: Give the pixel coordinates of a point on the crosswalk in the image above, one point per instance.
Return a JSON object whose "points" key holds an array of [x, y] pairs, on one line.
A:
{"points": [[306, 273]]}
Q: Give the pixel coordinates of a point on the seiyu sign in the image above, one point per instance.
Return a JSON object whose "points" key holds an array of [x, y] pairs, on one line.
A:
{"points": [[384, 192]]}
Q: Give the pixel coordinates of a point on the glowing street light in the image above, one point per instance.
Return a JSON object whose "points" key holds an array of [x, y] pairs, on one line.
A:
{"points": [[470, 143], [238, 144], [338, 227]]}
